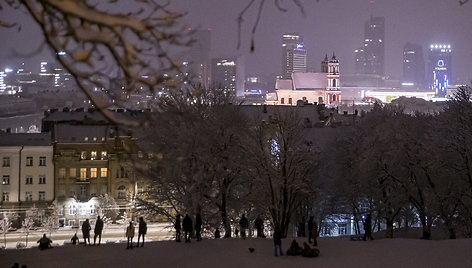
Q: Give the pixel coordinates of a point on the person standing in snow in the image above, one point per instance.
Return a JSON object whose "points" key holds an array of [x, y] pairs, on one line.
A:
{"points": [[310, 229], [244, 224], [198, 227], [130, 235], [368, 228], [259, 224], [177, 227], [75, 239], [142, 230], [315, 233], [86, 231], [187, 226], [278, 241], [98, 231]]}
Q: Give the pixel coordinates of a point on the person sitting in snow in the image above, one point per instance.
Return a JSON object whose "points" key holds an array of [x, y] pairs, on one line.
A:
{"points": [[294, 249], [75, 239], [309, 252], [44, 242]]}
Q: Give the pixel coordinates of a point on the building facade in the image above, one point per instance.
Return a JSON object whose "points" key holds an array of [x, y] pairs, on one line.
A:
{"points": [[294, 55], [439, 71], [27, 170], [369, 59], [228, 74], [413, 67]]}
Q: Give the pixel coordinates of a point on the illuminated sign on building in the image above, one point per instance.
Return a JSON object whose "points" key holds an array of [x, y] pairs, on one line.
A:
{"points": [[299, 46]]}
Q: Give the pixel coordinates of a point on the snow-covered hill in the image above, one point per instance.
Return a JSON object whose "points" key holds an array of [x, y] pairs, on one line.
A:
{"points": [[335, 252]]}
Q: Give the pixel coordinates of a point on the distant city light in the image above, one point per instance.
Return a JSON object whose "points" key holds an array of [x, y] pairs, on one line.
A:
{"points": [[299, 46], [61, 53], [8, 70]]}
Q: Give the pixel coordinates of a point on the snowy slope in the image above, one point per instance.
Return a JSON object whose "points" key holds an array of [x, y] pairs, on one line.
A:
{"points": [[335, 252]]}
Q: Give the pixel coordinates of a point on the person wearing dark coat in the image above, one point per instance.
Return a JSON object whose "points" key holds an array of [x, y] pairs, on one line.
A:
{"points": [[314, 233], [244, 224], [278, 241], [309, 252], [217, 234], [368, 228], [177, 227], [86, 231], [44, 242], [294, 249], [187, 226], [259, 224], [198, 227], [98, 231], [310, 229], [142, 230], [75, 239]]}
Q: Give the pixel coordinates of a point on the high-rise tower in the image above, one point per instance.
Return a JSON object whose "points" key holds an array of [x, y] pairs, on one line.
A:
{"points": [[293, 55], [370, 57], [413, 66], [439, 71]]}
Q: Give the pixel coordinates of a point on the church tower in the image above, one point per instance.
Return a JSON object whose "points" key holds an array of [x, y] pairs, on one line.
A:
{"points": [[333, 91]]}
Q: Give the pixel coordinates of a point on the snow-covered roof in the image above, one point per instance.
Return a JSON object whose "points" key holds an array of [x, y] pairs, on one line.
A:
{"points": [[25, 139], [283, 84], [309, 81]]}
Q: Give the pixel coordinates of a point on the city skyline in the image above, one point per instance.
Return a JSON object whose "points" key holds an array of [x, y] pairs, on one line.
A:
{"points": [[420, 22]]}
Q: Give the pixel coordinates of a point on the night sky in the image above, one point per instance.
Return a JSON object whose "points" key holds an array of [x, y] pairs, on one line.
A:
{"points": [[329, 25]]}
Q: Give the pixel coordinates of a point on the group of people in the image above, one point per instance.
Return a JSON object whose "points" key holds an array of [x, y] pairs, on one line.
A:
{"points": [[130, 232], [295, 249], [86, 232], [187, 226]]}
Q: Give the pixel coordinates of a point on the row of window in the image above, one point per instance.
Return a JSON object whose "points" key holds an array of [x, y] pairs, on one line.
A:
{"points": [[28, 196], [93, 155], [84, 172], [28, 180], [29, 161]]}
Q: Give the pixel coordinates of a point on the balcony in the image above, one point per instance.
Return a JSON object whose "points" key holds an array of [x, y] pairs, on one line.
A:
{"points": [[82, 180]]}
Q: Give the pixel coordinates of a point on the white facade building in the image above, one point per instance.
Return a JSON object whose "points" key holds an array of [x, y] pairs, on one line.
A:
{"points": [[27, 169]]}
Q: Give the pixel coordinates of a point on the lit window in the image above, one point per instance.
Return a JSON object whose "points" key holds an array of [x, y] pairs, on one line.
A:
{"points": [[93, 155], [86, 139], [94, 138], [104, 155], [29, 161], [93, 172], [42, 196], [6, 179], [103, 138], [83, 173], [92, 209], [104, 172], [6, 161], [72, 210], [42, 161], [83, 155], [42, 179]]}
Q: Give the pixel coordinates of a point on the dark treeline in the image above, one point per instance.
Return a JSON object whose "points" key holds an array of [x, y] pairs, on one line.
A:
{"points": [[221, 161], [406, 169]]}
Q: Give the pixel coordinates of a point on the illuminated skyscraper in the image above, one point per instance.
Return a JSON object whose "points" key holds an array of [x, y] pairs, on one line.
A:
{"points": [[293, 55], [370, 57], [413, 66], [228, 74], [440, 74]]}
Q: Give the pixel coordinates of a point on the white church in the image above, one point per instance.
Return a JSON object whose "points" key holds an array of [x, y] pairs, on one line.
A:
{"points": [[309, 87]]}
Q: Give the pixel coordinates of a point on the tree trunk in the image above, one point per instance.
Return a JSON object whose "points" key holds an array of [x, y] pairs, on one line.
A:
{"points": [[224, 217], [389, 233]]}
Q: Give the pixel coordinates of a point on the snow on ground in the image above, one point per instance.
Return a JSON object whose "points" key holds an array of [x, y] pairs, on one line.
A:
{"points": [[335, 252]]}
